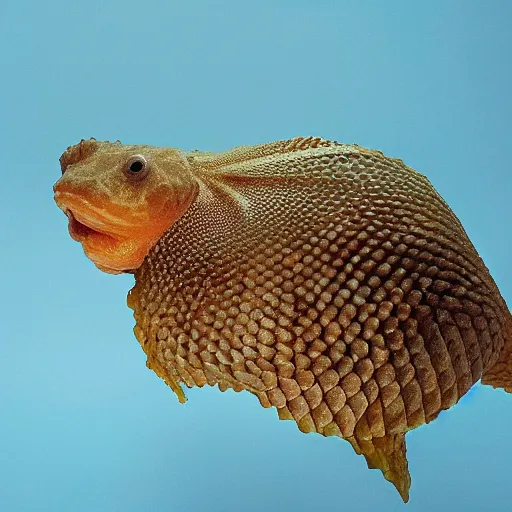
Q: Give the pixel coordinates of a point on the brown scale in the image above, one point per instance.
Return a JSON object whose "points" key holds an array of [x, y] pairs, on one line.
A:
{"points": [[332, 282]]}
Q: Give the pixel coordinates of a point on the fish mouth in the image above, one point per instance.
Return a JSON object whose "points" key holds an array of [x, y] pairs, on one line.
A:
{"points": [[87, 223], [101, 234], [83, 229], [105, 232], [114, 237]]}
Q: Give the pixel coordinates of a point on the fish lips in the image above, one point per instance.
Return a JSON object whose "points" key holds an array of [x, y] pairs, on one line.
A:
{"points": [[82, 223], [81, 231]]}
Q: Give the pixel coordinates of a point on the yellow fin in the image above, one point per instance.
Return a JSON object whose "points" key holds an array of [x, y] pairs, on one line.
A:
{"points": [[167, 378], [387, 454]]}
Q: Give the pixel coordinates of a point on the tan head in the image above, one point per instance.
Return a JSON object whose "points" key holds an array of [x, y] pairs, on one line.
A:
{"points": [[121, 199]]}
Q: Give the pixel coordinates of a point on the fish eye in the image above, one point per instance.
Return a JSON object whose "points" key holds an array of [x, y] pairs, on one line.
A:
{"points": [[136, 167]]}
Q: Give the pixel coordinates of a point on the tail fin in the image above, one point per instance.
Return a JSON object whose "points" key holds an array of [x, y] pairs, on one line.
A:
{"points": [[500, 375], [387, 454]]}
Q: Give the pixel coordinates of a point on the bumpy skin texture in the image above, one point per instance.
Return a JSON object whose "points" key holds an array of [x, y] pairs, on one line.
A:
{"points": [[332, 282]]}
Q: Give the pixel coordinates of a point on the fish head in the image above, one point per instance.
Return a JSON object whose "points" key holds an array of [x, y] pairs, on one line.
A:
{"points": [[121, 199]]}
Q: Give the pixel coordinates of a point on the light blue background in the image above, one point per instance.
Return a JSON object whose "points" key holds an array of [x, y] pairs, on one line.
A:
{"points": [[84, 426]]}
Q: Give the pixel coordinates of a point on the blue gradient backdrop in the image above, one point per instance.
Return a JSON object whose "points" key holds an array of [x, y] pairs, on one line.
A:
{"points": [[84, 426]]}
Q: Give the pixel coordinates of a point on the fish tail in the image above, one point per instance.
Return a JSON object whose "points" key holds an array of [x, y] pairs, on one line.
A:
{"points": [[500, 374]]}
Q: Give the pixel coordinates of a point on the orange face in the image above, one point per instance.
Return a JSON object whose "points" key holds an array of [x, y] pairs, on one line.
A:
{"points": [[121, 199]]}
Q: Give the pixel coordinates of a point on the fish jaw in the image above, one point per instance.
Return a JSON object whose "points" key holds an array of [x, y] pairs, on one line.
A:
{"points": [[109, 236]]}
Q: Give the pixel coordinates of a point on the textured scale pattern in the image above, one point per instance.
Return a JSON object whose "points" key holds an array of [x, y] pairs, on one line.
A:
{"points": [[349, 298], [329, 280]]}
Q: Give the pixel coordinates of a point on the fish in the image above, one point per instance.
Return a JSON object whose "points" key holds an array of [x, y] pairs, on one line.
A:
{"points": [[329, 280]]}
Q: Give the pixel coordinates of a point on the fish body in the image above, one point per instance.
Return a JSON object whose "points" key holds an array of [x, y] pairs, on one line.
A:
{"points": [[329, 280]]}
